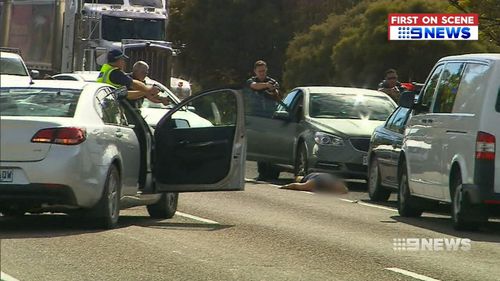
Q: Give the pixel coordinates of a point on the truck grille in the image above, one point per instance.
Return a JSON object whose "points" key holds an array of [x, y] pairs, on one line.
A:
{"points": [[158, 57], [360, 143]]}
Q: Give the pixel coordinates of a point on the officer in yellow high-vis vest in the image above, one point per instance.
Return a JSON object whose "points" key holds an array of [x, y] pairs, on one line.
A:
{"points": [[112, 73]]}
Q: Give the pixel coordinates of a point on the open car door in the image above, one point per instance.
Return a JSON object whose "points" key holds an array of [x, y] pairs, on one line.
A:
{"points": [[204, 147]]}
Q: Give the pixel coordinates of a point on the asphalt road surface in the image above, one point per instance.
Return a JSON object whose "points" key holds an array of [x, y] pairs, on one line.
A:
{"points": [[263, 233]]}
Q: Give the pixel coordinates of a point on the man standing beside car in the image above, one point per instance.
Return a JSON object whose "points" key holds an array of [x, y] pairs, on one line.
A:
{"points": [[391, 86], [140, 71], [263, 84], [112, 73]]}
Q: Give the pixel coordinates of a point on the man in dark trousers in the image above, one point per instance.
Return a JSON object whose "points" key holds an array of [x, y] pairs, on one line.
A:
{"points": [[263, 84]]}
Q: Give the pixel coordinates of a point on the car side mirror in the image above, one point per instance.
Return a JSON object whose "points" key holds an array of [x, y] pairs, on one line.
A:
{"points": [[407, 99], [35, 74], [282, 115], [191, 108]]}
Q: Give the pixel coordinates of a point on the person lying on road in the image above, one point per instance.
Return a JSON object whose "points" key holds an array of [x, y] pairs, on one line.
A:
{"points": [[318, 182]]}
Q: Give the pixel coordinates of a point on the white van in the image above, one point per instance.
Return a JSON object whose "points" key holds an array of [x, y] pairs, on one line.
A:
{"points": [[449, 147]]}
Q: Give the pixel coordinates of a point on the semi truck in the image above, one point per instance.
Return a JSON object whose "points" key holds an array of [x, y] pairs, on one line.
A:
{"points": [[57, 36]]}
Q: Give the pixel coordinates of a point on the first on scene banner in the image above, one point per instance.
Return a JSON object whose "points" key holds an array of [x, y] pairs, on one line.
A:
{"points": [[433, 27]]}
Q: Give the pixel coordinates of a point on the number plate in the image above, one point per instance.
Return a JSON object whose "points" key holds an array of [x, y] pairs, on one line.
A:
{"points": [[365, 160], [6, 175]]}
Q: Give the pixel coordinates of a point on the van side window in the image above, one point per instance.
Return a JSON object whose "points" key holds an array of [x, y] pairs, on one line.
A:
{"points": [[448, 87], [430, 87], [471, 88]]}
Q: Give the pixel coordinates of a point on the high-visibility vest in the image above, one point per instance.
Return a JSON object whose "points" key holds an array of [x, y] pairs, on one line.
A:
{"points": [[104, 75]]}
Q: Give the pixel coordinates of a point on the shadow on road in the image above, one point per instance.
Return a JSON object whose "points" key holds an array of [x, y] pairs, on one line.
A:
{"points": [[488, 233], [55, 225]]}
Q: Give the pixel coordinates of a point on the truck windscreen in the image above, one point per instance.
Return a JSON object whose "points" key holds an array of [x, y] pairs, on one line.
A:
{"points": [[116, 28]]}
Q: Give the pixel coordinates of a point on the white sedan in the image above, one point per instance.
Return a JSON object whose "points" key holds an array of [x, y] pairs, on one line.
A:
{"points": [[77, 147]]}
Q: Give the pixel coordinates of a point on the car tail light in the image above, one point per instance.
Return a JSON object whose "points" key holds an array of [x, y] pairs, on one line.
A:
{"points": [[65, 136], [485, 146]]}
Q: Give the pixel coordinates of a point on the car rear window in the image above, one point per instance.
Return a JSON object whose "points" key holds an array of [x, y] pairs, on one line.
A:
{"points": [[38, 102], [12, 66], [349, 106]]}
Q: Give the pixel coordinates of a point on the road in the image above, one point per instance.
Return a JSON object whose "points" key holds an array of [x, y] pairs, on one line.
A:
{"points": [[263, 233]]}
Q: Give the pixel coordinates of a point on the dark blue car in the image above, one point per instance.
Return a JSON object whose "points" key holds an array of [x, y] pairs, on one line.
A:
{"points": [[383, 155]]}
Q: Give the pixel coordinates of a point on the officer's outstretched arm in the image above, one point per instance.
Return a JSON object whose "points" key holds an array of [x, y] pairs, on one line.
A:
{"points": [[133, 95]]}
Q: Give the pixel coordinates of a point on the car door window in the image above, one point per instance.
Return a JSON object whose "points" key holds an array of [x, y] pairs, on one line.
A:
{"points": [[259, 105], [398, 123], [472, 86], [288, 101], [109, 109], [203, 157], [390, 120], [430, 87], [448, 87]]}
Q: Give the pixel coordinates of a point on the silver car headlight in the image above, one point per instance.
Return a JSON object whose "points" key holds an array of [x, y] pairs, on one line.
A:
{"points": [[328, 139]]}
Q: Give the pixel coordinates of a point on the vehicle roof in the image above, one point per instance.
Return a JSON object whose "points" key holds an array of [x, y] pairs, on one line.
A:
{"points": [[10, 55], [342, 90], [478, 57], [59, 84]]}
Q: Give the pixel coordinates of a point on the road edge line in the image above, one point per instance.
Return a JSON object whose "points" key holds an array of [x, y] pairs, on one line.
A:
{"points": [[411, 274], [195, 218]]}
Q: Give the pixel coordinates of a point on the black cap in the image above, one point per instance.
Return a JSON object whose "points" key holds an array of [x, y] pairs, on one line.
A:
{"points": [[115, 55]]}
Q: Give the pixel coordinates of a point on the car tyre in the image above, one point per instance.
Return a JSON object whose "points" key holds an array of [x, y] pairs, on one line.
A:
{"points": [[407, 204], [165, 208], [464, 215], [376, 191], [301, 162], [106, 212], [267, 171]]}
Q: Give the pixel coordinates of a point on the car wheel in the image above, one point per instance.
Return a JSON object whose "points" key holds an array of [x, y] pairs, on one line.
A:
{"points": [[464, 215], [267, 171], [107, 211], [301, 162], [375, 190], [407, 204], [165, 208]]}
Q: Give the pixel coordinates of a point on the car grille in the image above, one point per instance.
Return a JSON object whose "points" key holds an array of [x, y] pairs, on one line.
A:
{"points": [[361, 143]]}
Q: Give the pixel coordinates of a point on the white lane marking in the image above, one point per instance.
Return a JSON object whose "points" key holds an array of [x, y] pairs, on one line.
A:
{"points": [[5, 277], [195, 218], [411, 274], [368, 204]]}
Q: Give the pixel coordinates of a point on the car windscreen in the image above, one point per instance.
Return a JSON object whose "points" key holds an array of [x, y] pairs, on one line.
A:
{"points": [[116, 28], [349, 106], [12, 66], [38, 102]]}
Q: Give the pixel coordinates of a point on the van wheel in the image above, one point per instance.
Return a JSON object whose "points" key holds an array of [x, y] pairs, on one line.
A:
{"points": [[106, 212], [376, 191], [407, 204], [301, 162], [267, 171], [165, 208], [464, 215]]}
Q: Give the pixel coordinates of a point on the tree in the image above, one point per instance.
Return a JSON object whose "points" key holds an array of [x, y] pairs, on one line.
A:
{"points": [[353, 50], [223, 38], [489, 15]]}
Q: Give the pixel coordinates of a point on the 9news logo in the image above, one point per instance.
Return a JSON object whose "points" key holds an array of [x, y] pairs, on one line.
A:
{"points": [[433, 27]]}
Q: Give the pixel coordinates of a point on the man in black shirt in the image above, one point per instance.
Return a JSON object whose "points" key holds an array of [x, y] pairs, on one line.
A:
{"points": [[263, 84]]}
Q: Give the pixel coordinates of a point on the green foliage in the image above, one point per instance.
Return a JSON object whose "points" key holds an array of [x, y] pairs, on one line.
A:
{"points": [[353, 50], [224, 38]]}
